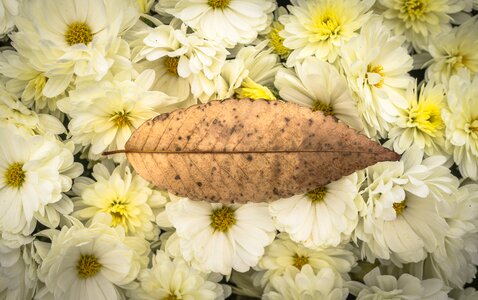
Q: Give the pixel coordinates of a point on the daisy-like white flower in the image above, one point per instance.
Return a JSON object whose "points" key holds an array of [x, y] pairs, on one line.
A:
{"points": [[219, 238], [321, 27], [402, 217], [250, 74], [175, 279], [226, 21], [325, 216], [187, 60], [418, 20], [306, 284], [92, 263], [378, 286], [376, 66], [421, 122], [318, 85], [103, 115], [35, 171], [126, 196], [283, 253], [67, 38], [461, 118], [453, 50], [26, 82], [8, 11], [15, 113]]}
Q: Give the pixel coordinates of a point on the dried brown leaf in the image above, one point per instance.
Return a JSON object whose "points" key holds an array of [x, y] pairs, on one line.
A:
{"points": [[244, 150]]}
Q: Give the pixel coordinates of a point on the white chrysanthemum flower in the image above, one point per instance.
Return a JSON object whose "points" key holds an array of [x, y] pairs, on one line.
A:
{"points": [[418, 20], [325, 216], [376, 66], [8, 12], [35, 171], [306, 284], [461, 119], [67, 38], [421, 122], [93, 262], [103, 115], [452, 51], [126, 196], [321, 27], [13, 112], [219, 238], [18, 272], [402, 216], [175, 279], [283, 253], [378, 286], [318, 85], [26, 82], [189, 61], [250, 74], [276, 41], [226, 21]]}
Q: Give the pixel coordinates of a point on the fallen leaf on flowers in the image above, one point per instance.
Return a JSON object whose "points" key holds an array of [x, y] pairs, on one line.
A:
{"points": [[248, 150]]}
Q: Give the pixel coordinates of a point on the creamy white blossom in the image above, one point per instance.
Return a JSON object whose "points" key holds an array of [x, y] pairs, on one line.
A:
{"points": [[318, 85], [91, 262], [35, 172], [227, 21], [321, 27], [175, 279], [325, 216], [67, 38], [376, 65], [8, 12], [461, 119], [219, 238]]}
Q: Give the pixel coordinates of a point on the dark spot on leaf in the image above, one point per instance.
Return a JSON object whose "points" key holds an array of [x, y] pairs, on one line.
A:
{"points": [[249, 157], [177, 177], [199, 183]]}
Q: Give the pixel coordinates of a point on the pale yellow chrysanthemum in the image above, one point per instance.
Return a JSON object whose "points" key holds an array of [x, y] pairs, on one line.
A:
{"points": [[452, 51], [320, 27], [63, 39], [227, 21], [418, 20], [461, 119], [126, 196], [421, 122], [8, 12], [276, 41]]}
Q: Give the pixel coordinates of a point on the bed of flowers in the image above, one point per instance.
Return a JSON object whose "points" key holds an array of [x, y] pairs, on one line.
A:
{"points": [[78, 76]]}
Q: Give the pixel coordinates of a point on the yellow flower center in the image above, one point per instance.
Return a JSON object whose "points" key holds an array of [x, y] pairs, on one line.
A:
{"points": [[121, 119], [318, 194], [118, 210], [87, 266], [253, 90], [472, 127], [276, 42], [170, 297], [426, 117], [15, 175], [327, 109], [78, 33], [222, 219], [374, 80], [326, 25], [399, 207], [171, 64], [218, 3], [414, 9], [300, 261]]}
